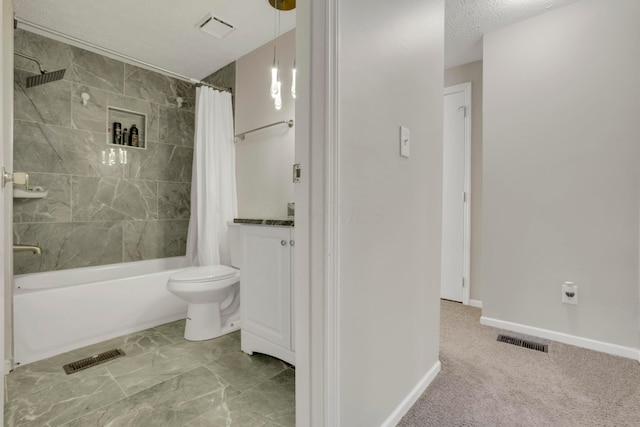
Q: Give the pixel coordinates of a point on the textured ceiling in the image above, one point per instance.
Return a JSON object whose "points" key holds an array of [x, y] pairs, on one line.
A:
{"points": [[164, 33], [468, 20]]}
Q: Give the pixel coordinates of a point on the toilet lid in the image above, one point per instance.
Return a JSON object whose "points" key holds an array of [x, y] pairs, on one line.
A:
{"points": [[205, 273]]}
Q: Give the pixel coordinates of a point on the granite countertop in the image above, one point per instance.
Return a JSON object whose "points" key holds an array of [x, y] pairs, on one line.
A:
{"points": [[287, 221]]}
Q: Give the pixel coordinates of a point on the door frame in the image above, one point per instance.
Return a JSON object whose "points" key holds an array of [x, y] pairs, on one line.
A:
{"points": [[465, 88], [316, 269], [6, 204]]}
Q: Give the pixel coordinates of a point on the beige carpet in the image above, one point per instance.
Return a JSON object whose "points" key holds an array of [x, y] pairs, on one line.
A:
{"points": [[488, 383]]}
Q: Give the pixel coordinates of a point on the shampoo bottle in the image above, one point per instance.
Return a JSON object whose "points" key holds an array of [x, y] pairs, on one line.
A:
{"points": [[133, 136]]}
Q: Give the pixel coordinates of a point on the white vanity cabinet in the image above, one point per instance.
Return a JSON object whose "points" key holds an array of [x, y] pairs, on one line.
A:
{"points": [[266, 295]]}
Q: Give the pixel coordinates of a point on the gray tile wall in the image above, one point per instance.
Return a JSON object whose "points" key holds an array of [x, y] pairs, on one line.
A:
{"points": [[224, 77], [97, 214]]}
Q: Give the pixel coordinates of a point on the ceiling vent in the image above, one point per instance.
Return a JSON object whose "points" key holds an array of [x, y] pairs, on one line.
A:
{"points": [[215, 26]]}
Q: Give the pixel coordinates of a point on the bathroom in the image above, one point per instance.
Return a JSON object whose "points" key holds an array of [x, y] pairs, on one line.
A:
{"points": [[103, 213]]}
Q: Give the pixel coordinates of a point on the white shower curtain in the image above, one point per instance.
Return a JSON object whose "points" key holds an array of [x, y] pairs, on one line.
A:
{"points": [[213, 182]]}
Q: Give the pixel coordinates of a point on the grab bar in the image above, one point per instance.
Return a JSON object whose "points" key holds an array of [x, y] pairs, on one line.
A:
{"points": [[281, 122], [36, 250]]}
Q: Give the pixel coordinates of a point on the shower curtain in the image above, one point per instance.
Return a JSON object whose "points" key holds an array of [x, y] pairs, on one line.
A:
{"points": [[213, 180]]}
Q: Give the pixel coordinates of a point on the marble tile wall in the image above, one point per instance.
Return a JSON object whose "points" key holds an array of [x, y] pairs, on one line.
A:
{"points": [[225, 77], [97, 214]]}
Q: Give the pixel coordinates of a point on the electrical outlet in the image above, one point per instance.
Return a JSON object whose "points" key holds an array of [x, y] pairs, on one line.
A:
{"points": [[570, 293]]}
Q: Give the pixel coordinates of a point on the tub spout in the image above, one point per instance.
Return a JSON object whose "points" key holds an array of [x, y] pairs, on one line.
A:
{"points": [[37, 250]]}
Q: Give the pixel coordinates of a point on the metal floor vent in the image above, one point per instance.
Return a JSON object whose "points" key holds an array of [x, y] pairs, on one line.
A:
{"points": [[79, 365], [520, 342]]}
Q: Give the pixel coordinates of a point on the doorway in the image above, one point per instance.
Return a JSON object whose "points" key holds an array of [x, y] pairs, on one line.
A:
{"points": [[456, 206]]}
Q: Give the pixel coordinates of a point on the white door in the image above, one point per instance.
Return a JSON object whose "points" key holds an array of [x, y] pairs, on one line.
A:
{"points": [[454, 279], [6, 194]]}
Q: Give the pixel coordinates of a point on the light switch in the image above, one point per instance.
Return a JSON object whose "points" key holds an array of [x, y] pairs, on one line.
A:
{"points": [[404, 142]]}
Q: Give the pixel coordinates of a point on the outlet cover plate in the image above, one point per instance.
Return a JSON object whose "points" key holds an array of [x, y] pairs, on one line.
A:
{"points": [[570, 289]]}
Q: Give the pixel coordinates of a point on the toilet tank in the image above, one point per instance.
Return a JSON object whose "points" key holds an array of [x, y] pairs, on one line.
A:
{"points": [[235, 244]]}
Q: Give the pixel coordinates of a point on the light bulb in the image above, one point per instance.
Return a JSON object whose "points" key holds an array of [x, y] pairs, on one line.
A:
{"points": [[278, 99], [293, 81]]}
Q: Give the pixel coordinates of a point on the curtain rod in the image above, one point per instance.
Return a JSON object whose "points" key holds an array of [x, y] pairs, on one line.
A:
{"points": [[281, 122], [112, 53], [202, 83]]}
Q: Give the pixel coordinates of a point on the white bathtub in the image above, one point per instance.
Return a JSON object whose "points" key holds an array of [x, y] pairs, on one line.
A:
{"points": [[59, 311]]}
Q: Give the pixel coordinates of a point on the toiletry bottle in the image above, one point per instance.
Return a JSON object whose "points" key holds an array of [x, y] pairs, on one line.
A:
{"points": [[124, 136], [133, 136], [117, 133]]}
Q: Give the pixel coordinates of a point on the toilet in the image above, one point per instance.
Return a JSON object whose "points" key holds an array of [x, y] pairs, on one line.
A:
{"points": [[212, 294]]}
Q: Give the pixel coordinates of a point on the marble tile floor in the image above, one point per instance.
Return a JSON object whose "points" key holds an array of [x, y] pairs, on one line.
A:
{"points": [[163, 380]]}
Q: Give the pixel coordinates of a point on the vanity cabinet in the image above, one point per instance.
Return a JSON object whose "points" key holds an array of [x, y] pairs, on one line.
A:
{"points": [[266, 292]]}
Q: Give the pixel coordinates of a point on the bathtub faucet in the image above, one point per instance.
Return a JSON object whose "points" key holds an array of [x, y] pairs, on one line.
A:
{"points": [[37, 250]]}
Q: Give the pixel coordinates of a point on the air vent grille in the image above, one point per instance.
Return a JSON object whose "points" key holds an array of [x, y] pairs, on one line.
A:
{"points": [[79, 365], [520, 342], [215, 26]]}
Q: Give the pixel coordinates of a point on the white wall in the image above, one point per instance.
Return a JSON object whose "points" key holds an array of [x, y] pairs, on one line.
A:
{"points": [[472, 72], [390, 72], [561, 174], [264, 160]]}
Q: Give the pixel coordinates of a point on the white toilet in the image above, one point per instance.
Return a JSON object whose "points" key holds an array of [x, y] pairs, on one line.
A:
{"points": [[213, 295]]}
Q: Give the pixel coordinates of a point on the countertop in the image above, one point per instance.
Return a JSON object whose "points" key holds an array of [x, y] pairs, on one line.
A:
{"points": [[287, 221]]}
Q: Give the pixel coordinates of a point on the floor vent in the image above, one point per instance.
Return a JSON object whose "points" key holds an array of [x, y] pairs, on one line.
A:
{"points": [[79, 365], [524, 343]]}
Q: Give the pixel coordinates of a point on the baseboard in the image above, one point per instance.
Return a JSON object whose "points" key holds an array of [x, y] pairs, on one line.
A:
{"points": [[412, 397], [475, 303], [603, 347]]}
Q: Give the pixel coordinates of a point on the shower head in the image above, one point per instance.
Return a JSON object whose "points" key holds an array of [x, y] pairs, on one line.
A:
{"points": [[44, 76]]}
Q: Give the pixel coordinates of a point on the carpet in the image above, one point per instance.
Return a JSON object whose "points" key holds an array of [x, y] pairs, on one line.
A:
{"points": [[484, 382]]}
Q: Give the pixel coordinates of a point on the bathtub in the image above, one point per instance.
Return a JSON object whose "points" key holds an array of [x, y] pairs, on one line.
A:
{"points": [[59, 311]]}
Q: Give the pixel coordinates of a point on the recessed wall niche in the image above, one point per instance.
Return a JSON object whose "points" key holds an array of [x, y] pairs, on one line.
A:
{"points": [[126, 119]]}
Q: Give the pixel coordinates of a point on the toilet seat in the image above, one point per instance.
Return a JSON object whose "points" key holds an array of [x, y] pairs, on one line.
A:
{"points": [[208, 273]]}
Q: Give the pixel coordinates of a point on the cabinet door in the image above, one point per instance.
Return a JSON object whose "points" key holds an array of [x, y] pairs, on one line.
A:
{"points": [[265, 284]]}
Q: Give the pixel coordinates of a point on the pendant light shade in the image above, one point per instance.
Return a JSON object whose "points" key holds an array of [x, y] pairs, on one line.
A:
{"points": [[274, 75], [293, 80], [278, 98]]}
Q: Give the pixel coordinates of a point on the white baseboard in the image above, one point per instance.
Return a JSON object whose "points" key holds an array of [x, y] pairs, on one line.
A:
{"points": [[412, 397], [475, 303], [603, 347]]}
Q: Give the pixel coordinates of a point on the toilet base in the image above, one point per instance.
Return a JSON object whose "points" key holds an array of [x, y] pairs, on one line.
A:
{"points": [[204, 322]]}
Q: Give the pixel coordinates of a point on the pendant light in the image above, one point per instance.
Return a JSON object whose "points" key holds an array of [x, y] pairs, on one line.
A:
{"points": [[277, 102], [274, 75], [275, 89], [293, 80]]}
